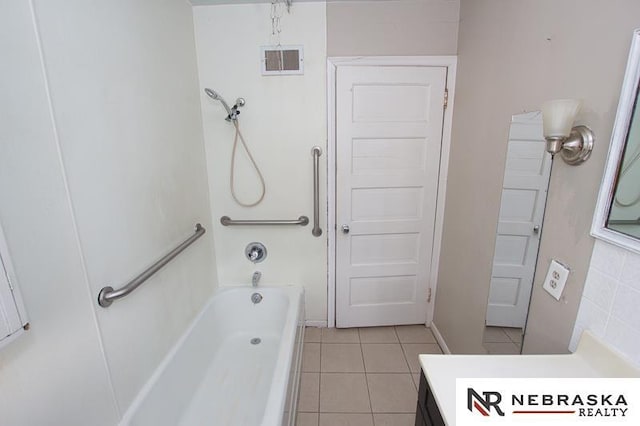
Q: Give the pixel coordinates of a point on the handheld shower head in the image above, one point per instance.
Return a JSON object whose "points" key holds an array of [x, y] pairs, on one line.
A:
{"points": [[232, 113], [212, 94]]}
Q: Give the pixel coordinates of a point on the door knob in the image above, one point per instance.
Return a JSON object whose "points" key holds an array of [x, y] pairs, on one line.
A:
{"points": [[536, 229], [345, 229]]}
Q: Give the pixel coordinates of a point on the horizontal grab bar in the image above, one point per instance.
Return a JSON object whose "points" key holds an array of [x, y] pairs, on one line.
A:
{"points": [[227, 221], [108, 294]]}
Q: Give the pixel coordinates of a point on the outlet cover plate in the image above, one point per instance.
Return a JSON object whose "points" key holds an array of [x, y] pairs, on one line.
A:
{"points": [[556, 279]]}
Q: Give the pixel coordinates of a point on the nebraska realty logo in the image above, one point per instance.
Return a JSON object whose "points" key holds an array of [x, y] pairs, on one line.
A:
{"points": [[483, 405], [552, 401]]}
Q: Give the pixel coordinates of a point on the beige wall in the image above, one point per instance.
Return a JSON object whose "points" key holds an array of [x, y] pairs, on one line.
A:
{"points": [[400, 27], [513, 55]]}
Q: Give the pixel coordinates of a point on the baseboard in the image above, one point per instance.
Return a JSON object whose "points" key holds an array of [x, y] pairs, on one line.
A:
{"points": [[440, 339], [314, 323]]}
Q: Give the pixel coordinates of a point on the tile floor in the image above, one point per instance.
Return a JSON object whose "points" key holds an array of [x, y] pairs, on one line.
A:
{"points": [[502, 340], [362, 376]]}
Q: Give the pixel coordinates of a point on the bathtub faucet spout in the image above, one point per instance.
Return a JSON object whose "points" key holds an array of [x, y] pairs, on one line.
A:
{"points": [[256, 278]]}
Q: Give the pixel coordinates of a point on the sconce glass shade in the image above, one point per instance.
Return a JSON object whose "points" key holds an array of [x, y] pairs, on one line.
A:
{"points": [[558, 116]]}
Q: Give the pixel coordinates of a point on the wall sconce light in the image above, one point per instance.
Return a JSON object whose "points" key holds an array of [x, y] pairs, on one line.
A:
{"points": [[573, 143]]}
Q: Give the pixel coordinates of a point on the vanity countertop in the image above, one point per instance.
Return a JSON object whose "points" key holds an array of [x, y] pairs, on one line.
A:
{"points": [[592, 359]]}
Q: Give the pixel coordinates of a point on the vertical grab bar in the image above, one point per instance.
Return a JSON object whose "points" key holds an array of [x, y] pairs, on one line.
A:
{"points": [[316, 151]]}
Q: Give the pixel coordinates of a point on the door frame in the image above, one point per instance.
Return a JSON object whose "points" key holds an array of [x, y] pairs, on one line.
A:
{"points": [[449, 62]]}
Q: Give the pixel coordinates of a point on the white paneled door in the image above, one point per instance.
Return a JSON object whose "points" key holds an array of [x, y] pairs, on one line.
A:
{"points": [[388, 139], [524, 195]]}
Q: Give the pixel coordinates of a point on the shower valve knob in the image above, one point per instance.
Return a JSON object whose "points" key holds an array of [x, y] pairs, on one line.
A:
{"points": [[255, 252]]}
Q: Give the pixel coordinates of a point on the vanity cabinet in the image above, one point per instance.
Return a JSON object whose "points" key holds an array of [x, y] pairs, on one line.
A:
{"points": [[437, 390], [427, 412]]}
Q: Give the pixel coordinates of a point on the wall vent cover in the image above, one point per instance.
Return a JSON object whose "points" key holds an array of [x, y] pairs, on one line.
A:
{"points": [[282, 60]]}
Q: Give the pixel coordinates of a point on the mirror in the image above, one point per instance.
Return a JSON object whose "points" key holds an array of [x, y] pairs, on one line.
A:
{"points": [[524, 196], [624, 210], [617, 217]]}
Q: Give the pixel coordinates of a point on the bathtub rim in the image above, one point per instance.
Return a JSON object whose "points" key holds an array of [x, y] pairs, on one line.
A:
{"points": [[295, 293], [277, 399]]}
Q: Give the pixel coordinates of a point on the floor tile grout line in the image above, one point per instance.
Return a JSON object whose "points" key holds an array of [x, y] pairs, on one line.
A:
{"points": [[371, 413], [406, 360], [505, 333], [512, 341], [404, 354], [320, 379], [517, 343], [366, 378], [503, 330]]}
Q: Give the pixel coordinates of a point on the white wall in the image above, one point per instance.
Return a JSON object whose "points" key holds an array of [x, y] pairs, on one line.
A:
{"points": [[102, 171], [609, 305], [285, 116]]}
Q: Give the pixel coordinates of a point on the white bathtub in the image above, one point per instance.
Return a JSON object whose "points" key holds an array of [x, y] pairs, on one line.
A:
{"points": [[215, 375]]}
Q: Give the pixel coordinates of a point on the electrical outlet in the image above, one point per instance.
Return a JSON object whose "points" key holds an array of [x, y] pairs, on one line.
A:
{"points": [[556, 279]]}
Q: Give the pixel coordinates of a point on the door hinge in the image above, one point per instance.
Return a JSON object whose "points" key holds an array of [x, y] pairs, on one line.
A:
{"points": [[429, 296], [446, 97]]}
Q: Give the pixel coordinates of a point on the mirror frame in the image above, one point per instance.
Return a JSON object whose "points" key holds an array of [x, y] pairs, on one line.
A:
{"points": [[616, 150]]}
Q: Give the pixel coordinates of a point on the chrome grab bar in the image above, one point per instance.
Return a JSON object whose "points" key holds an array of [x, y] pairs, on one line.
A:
{"points": [[227, 221], [316, 151], [107, 295]]}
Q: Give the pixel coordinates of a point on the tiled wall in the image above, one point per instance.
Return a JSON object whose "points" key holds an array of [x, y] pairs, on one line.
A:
{"points": [[610, 306]]}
